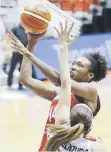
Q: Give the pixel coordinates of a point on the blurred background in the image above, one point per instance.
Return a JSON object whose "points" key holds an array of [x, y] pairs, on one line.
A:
{"points": [[20, 127]]}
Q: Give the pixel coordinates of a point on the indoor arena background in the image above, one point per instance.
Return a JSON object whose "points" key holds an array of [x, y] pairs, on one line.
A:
{"points": [[22, 113]]}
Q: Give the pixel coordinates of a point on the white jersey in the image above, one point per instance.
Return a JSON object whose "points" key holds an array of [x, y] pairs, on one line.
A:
{"points": [[78, 145]]}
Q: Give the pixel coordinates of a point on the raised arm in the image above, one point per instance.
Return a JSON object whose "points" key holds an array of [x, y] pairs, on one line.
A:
{"points": [[84, 90], [50, 73], [40, 88], [63, 108]]}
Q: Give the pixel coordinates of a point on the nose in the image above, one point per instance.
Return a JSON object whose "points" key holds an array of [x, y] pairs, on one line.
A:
{"points": [[74, 68]]}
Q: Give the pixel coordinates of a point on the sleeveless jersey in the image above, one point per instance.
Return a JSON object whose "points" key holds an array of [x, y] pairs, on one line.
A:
{"points": [[51, 118]]}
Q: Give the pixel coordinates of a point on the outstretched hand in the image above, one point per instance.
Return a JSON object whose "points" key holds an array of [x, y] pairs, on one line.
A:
{"points": [[15, 44], [64, 34]]}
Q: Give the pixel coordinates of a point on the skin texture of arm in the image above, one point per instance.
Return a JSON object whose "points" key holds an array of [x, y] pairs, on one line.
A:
{"points": [[35, 85], [62, 114]]}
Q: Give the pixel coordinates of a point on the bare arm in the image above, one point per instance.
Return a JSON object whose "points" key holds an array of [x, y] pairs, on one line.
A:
{"points": [[85, 90], [47, 70], [82, 89], [36, 86], [63, 109]]}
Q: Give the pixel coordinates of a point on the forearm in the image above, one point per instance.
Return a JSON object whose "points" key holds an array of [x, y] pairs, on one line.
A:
{"points": [[64, 66], [63, 108], [26, 68], [35, 85], [65, 76], [47, 70]]}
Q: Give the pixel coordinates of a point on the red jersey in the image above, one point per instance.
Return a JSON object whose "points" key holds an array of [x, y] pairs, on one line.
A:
{"points": [[51, 118]]}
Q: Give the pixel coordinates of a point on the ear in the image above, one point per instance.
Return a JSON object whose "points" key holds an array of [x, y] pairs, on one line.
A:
{"points": [[90, 76]]}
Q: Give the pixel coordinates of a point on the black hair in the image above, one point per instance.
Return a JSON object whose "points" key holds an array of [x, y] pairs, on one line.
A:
{"points": [[98, 65]]}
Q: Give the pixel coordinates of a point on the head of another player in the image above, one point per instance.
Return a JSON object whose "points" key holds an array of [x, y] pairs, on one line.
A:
{"points": [[80, 124], [90, 67], [82, 114]]}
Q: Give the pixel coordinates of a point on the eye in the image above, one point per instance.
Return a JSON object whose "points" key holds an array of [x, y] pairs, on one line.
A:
{"points": [[80, 64]]}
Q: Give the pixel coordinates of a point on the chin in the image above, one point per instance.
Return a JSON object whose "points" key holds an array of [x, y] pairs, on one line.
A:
{"points": [[72, 77]]}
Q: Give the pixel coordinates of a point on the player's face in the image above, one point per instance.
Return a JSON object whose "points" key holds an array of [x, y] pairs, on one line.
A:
{"points": [[80, 69]]}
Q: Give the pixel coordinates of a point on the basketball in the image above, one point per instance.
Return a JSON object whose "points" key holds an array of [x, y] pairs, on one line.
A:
{"points": [[35, 19]]}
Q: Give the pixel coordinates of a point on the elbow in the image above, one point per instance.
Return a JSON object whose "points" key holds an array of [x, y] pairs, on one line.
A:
{"points": [[23, 79]]}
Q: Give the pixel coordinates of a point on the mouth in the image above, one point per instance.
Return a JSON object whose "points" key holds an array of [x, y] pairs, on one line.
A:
{"points": [[71, 73]]}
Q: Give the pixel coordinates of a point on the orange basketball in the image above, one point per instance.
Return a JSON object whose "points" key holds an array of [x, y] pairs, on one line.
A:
{"points": [[35, 19]]}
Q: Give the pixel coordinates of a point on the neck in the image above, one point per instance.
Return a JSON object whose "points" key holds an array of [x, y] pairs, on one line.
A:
{"points": [[81, 80]]}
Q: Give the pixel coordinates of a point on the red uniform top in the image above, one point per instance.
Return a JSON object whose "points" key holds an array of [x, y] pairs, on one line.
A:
{"points": [[51, 118]]}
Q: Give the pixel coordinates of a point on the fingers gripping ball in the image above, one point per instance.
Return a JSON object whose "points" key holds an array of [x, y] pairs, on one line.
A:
{"points": [[35, 19]]}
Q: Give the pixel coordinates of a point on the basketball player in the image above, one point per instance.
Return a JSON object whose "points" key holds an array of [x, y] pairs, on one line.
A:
{"points": [[70, 129], [91, 67]]}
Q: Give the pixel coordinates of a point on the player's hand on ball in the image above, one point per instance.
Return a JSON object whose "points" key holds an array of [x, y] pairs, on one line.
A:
{"points": [[15, 44], [64, 34], [35, 37]]}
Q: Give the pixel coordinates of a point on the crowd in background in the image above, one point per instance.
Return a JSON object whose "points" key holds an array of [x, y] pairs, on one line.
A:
{"points": [[94, 14]]}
